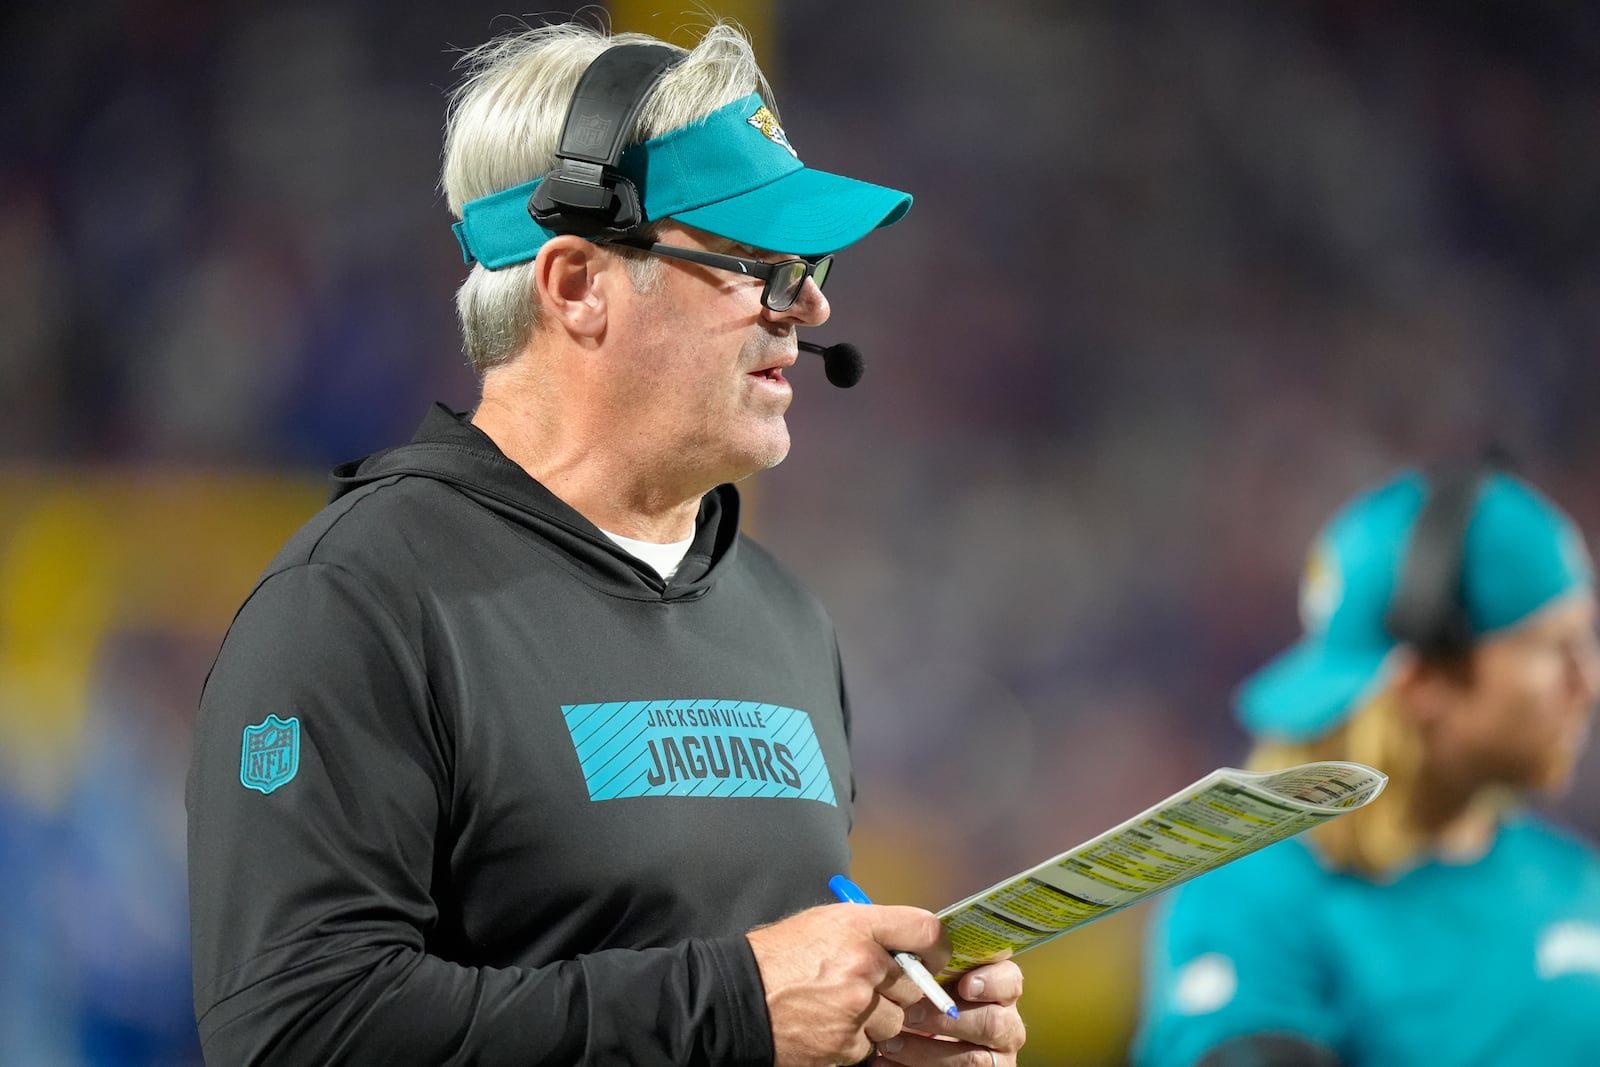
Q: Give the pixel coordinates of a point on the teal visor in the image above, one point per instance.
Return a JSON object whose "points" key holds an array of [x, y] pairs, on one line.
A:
{"points": [[732, 174], [1520, 552]]}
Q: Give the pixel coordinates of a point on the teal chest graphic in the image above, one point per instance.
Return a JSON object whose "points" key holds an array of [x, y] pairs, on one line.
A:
{"points": [[269, 755], [698, 748]]}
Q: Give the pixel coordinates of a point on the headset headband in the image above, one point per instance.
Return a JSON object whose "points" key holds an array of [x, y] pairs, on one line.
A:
{"points": [[1428, 610], [585, 195]]}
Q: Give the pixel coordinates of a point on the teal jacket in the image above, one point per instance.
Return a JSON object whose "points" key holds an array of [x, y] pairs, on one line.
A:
{"points": [[1494, 963]]}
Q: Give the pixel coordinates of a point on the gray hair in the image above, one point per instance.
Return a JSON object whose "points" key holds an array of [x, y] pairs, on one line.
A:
{"points": [[504, 122]]}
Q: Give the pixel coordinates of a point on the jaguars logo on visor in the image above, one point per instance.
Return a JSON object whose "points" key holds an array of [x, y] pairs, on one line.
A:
{"points": [[1321, 589], [767, 123]]}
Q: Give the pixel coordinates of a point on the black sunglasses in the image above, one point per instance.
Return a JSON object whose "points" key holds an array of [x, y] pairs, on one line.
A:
{"points": [[784, 278]]}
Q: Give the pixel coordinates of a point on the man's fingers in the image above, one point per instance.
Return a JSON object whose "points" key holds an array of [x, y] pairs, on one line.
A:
{"points": [[832, 985], [993, 983], [912, 1050], [886, 1020], [898, 987], [902, 929], [996, 1026]]}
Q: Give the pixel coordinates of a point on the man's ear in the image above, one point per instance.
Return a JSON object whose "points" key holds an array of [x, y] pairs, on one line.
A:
{"points": [[573, 279]]}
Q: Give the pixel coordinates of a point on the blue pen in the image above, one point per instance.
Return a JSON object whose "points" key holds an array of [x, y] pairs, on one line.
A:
{"points": [[850, 893]]}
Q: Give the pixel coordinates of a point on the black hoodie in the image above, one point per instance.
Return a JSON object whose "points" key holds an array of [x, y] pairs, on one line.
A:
{"points": [[470, 784]]}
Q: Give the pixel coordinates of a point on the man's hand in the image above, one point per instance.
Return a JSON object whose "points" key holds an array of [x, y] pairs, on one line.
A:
{"points": [[988, 1034], [833, 989]]}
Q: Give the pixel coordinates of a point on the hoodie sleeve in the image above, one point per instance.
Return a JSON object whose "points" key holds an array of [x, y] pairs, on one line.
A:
{"points": [[318, 796]]}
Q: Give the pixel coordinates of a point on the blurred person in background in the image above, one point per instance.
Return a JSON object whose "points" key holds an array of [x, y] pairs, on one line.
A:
{"points": [[1450, 641], [520, 752]]}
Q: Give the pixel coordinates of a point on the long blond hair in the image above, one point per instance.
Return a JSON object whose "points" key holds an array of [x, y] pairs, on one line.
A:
{"points": [[1383, 839]]}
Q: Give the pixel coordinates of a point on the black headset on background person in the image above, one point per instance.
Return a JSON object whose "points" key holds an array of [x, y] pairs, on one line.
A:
{"points": [[587, 196], [1428, 610]]}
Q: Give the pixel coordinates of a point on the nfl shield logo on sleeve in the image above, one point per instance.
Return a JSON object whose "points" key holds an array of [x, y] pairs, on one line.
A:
{"points": [[270, 754]]}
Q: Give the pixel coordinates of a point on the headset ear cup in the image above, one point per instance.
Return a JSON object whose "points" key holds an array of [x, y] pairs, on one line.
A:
{"points": [[619, 214], [627, 212]]}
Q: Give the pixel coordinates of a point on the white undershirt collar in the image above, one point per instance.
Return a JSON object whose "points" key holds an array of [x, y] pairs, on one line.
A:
{"points": [[663, 559]]}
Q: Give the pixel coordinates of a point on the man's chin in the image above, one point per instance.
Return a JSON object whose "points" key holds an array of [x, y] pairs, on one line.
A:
{"points": [[759, 458], [771, 448]]}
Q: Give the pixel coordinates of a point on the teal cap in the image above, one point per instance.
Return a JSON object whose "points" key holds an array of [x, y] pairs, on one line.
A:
{"points": [[1520, 552], [732, 173]]}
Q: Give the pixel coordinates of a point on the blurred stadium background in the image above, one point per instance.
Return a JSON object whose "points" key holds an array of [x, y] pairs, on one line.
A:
{"points": [[1180, 277]]}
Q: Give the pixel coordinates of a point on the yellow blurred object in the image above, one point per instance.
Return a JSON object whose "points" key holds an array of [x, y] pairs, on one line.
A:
{"points": [[86, 553], [677, 23]]}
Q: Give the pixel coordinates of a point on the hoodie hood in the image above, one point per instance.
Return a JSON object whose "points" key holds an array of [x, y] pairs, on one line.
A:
{"points": [[449, 449]]}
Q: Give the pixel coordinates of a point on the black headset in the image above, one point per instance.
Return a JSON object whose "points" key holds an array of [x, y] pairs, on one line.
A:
{"points": [[1428, 610], [585, 195]]}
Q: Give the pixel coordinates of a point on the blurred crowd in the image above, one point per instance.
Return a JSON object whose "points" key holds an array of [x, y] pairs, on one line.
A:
{"points": [[1179, 278]]}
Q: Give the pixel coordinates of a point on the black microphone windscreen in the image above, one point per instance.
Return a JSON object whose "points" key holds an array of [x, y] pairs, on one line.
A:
{"points": [[842, 363]]}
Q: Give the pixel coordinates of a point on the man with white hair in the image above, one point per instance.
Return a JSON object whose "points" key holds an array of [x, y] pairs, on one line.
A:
{"points": [[520, 752]]}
